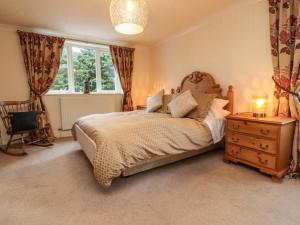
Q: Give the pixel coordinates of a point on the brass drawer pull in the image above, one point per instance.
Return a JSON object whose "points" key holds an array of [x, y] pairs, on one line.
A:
{"points": [[265, 132], [235, 140], [235, 127], [235, 153], [263, 162], [264, 147]]}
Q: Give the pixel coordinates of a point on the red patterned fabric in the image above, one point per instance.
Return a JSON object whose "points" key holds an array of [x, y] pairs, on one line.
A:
{"points": [[123, 58], [41, 56], [285, 44]]}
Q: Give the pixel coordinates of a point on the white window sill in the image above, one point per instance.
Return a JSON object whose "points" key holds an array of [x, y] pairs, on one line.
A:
{"points": [[80, 93]]}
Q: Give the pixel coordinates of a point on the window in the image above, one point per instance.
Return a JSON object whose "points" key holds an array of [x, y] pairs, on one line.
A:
{"points": [[82, 61]]}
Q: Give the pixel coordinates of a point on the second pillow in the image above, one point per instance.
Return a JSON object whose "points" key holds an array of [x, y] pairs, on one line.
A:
{"points": [[182, 105]]}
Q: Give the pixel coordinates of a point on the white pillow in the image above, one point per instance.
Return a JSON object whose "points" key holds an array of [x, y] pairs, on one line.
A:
{"points": [[182, 105], [219, 103], [217, 108], [220, 113], [155, 102]]}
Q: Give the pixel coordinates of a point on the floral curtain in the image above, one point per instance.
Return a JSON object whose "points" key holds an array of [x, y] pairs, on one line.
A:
{"points": [[285, 43], [41, 56], [122, 58]]}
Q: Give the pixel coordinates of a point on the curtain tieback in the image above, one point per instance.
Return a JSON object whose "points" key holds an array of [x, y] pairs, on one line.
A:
{"points": [[127, 91], [35, 94]]}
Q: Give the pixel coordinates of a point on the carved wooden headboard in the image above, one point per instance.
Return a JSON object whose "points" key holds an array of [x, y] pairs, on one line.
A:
{"points": [[204, 82]]}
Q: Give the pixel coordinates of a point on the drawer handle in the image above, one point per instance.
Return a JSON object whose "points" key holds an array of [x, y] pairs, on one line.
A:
{"points": [[235, 153], [264, 132], [264, 147], [235, 140], [263, 162], [235, 127]]}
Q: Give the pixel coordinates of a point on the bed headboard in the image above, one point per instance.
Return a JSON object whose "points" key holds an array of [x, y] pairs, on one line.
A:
{"points": [[204, 82]]}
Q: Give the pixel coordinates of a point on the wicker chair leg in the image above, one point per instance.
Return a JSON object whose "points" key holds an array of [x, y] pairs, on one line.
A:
{"points": [[23, 145], [8, 145]]}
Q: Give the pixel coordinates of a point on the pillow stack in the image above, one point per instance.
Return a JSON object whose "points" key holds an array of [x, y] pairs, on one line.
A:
{"points": [[191, 104]]}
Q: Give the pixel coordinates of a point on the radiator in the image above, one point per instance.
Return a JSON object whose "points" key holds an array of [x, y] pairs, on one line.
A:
{"points": [[73, 108]]}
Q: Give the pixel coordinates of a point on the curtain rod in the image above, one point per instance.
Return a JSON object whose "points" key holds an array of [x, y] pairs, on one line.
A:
{"points": [[65, 36], [86, 42], [97, 43]]}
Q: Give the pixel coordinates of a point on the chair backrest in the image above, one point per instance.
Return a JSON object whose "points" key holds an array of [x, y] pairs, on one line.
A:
{"points": [[7, 107]]}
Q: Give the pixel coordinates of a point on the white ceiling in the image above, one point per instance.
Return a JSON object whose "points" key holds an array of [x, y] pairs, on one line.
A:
{"points": [[90, 18]]}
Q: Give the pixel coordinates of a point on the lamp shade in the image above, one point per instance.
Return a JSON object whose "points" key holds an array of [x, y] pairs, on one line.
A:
{"points": [[259, 105], [129, 16]]}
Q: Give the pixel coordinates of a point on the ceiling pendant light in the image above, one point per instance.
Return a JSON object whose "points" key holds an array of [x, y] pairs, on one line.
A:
{"points": [[129, 16]]}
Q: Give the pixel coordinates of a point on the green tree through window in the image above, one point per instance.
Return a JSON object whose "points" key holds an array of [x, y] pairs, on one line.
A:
{"points": [[61, 80], [84, 66], [107, 72], [79, 62]]}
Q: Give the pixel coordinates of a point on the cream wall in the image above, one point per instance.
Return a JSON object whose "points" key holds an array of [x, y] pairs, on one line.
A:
{"points": [[13, 82], [141, 83], [233, 46]]}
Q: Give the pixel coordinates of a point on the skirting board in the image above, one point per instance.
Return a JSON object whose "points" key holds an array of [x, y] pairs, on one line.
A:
{"points": [[62, 133]]}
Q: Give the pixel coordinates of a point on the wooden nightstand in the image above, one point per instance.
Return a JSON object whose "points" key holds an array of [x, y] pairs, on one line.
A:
{"points": [[141, 107], [264, 143]]}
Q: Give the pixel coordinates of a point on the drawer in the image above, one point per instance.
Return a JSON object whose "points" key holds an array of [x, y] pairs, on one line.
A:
{"points": [[252, 156], [261, 129], [258, 143]]}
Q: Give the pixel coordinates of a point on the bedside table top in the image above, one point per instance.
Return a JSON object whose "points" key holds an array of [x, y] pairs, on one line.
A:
{"points": [[268, 119]]}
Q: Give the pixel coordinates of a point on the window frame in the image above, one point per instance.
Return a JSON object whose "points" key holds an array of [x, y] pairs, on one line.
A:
{"points": [[99, 50]]}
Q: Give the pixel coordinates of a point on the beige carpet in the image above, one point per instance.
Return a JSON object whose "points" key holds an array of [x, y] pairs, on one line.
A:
{"points": [[56, 186]]}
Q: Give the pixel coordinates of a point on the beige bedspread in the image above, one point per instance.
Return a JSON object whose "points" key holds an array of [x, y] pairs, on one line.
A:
{"points": [[123, 139]]}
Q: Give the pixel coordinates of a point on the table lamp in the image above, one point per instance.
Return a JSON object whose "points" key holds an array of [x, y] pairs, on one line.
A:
{"points": [[259, 105]]}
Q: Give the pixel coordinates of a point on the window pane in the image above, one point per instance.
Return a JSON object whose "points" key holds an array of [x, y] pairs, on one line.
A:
{"points": [[107, 72], [61, 80], [84, 66]]}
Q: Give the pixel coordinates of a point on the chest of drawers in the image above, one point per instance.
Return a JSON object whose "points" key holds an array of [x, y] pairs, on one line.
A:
{"points": [[264, 143]]}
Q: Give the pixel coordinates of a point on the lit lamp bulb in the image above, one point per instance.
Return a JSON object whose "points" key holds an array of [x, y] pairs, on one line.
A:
{"points": [[129, 16], [259, 105], [130, 6]]}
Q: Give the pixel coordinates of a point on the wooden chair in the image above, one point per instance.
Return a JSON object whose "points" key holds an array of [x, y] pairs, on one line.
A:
{"points": [[7, 108]]}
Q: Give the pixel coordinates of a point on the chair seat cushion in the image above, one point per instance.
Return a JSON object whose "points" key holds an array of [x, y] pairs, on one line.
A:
{"points": [[23, 121]]}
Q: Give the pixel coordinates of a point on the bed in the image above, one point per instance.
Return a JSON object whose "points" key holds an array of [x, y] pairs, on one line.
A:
{"points": [[126, 143]]}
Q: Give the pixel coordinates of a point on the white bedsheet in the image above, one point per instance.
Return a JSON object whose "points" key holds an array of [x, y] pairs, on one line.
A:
{"points": [[216, 126]]}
